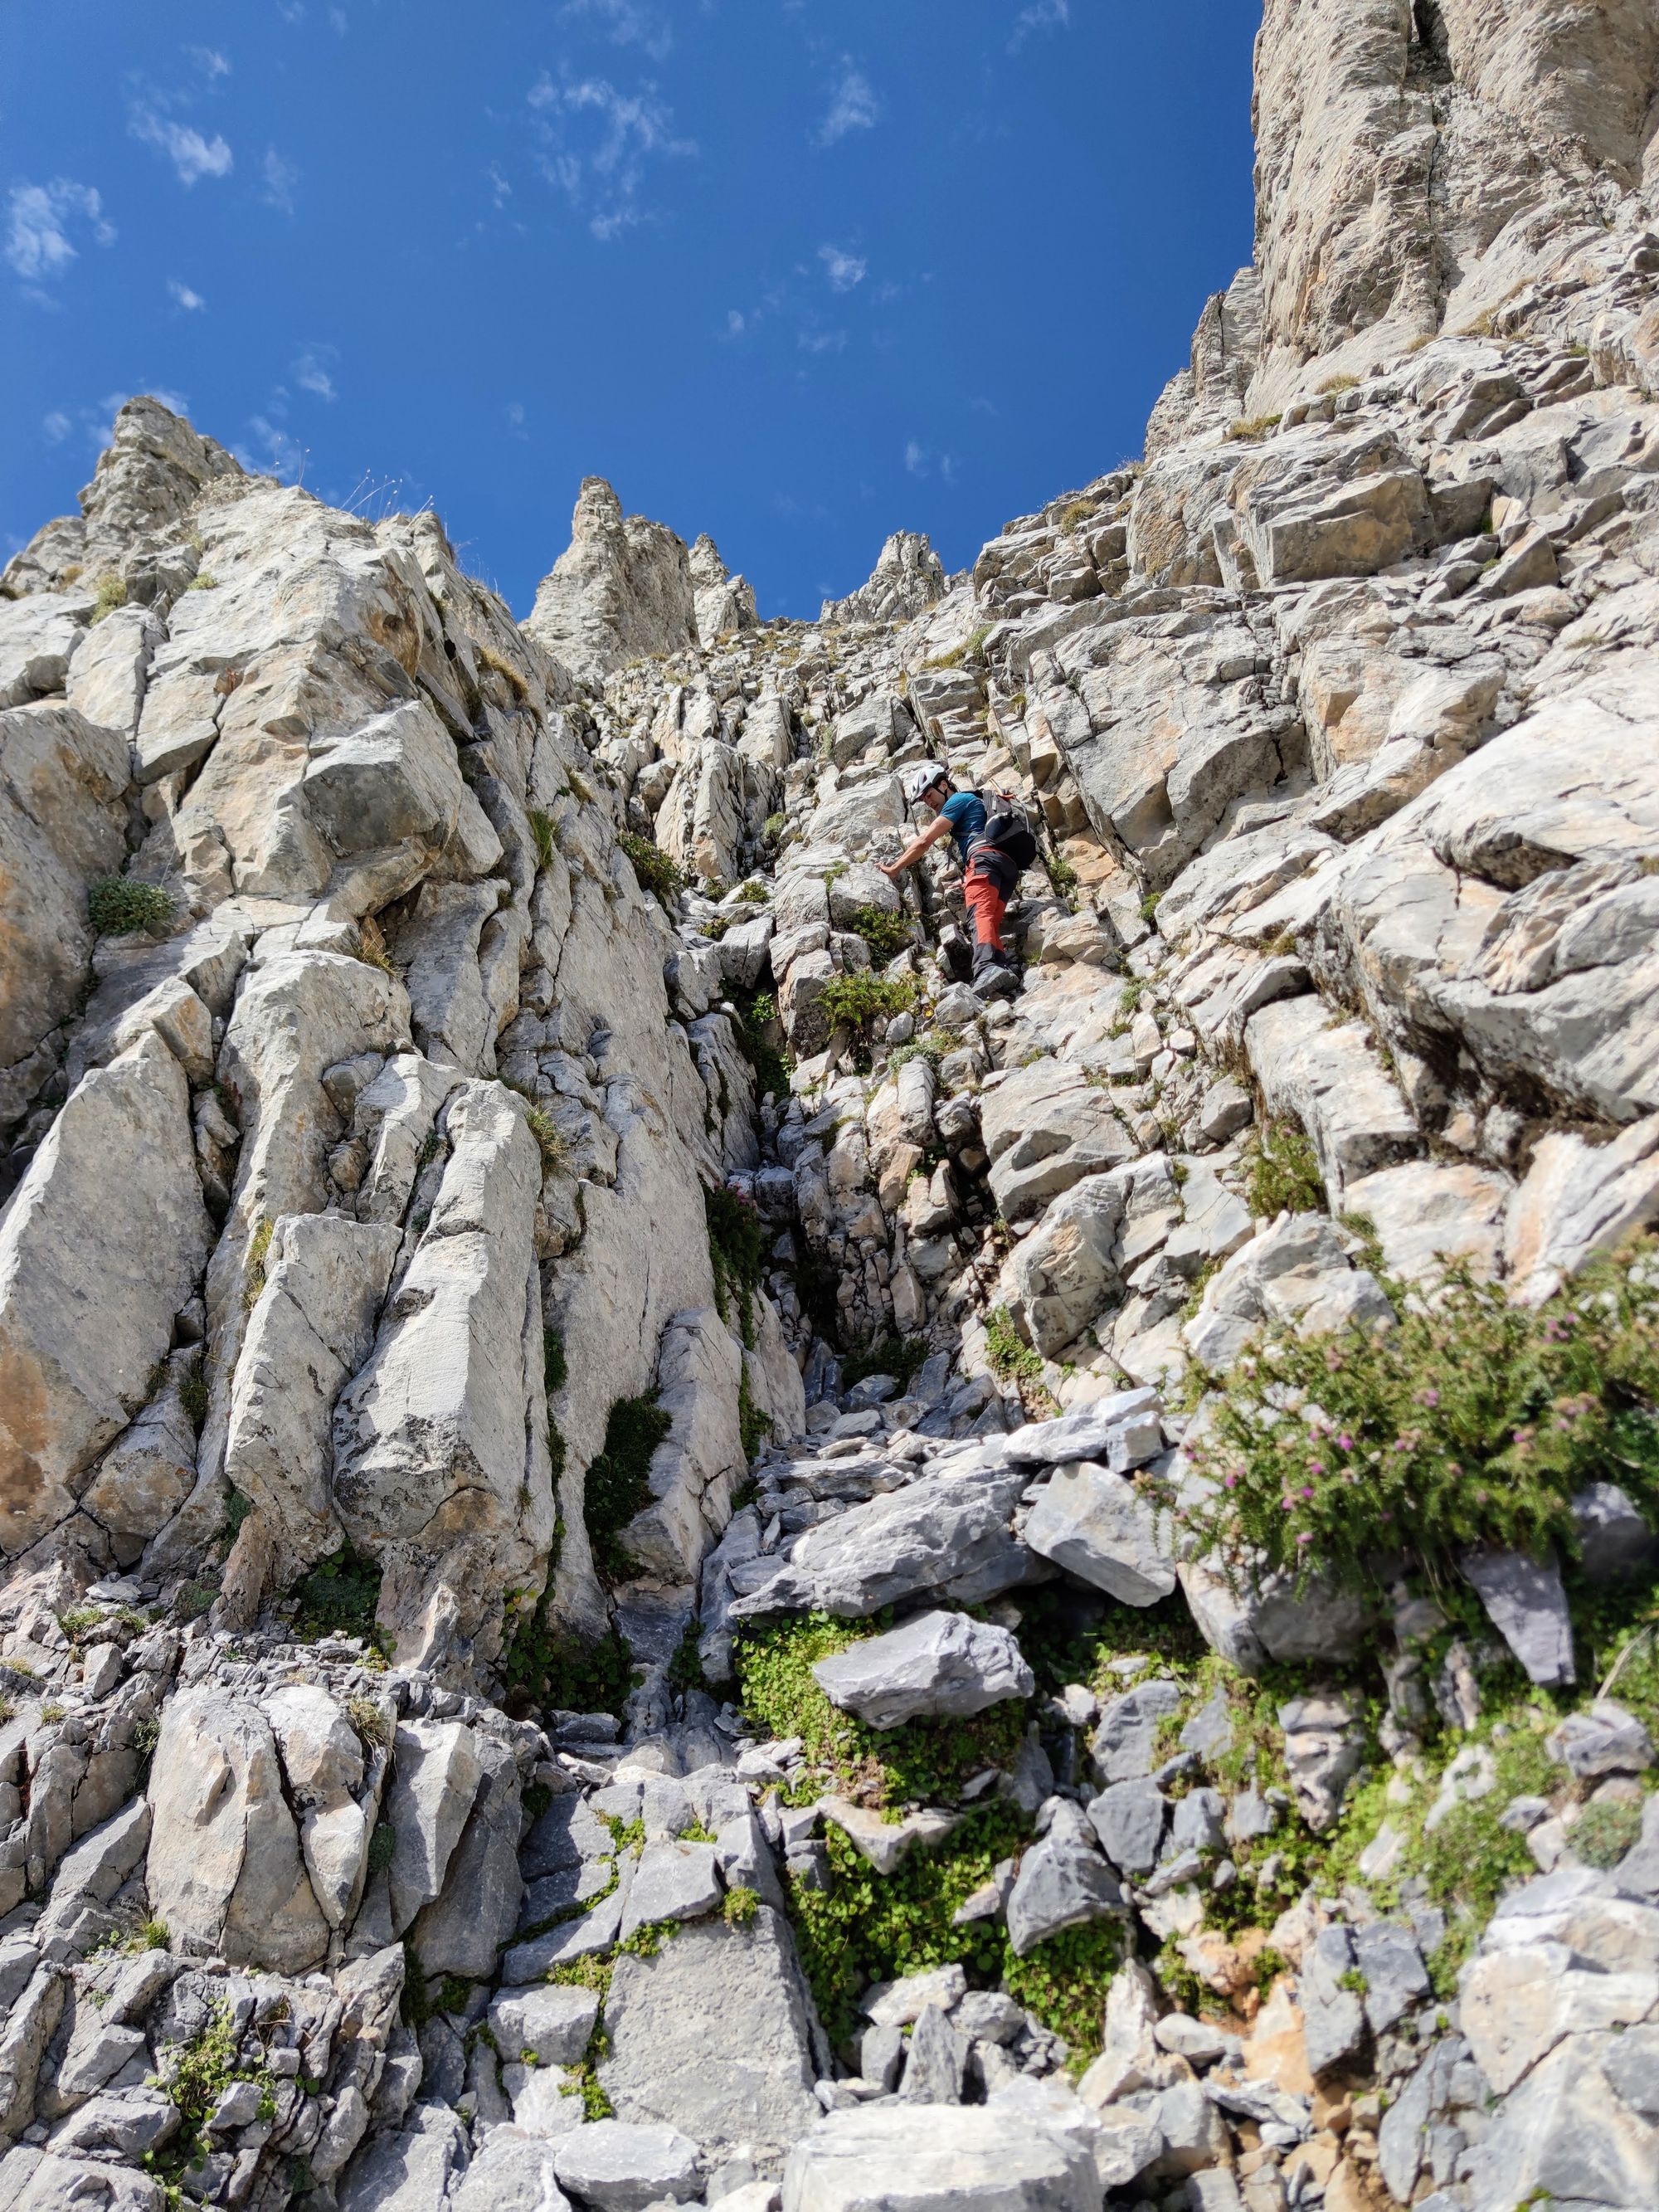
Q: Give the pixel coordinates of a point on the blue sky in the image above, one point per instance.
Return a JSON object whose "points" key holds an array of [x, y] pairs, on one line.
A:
{"points": [[792, 273]]}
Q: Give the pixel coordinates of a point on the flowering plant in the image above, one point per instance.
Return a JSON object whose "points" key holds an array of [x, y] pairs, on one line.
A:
{"points": [[1471, 1422]]}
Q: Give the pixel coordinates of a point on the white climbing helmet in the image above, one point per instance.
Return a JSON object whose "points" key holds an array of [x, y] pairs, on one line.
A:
{"points": [[922, 778]]}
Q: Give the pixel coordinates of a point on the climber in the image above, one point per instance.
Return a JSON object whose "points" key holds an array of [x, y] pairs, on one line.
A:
{"points": [[995, 847]]}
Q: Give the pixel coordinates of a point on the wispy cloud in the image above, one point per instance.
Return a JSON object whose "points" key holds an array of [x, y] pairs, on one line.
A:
{"points": [[56, 427], [39, 220], [192, 155], [514, 412], [844, 269], [626, 22], [311, 371], [278, 177], [269, 450], [499, 185], [1040, 16], [853, 104], [822, 341], [915, 458], [183, 297], [212, 64], [596, 142]]}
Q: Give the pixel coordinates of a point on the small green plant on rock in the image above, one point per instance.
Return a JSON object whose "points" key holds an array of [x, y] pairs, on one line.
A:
{"points": [[741, 1906], [109, 593], [857, 1003], [657, 871], [618, 1484], [886, 935], [338, 1597], [736, 1250], [117, 906], [1284, 1174]]}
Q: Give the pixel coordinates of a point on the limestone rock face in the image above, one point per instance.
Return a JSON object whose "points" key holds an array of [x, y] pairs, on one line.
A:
{"points": [[622, 587], [724, 602], [907, 579], [440, 1466], [101, 1246], [61, 783], [527, 1049]]}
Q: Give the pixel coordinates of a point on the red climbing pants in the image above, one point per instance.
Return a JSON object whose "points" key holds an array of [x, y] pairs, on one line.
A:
{"points": [[985, 889]]}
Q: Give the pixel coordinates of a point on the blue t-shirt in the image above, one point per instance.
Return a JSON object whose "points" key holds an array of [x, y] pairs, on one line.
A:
{"points": [[965, 812]]}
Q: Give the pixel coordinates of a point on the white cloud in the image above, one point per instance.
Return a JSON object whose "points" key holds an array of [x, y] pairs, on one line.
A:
{"points": [[339, 21], [211, 62], [596, 142], [311, 371], [822, 341], [915, 458], [280, 177], [191, 303], [192, 155], [1040, 16], [844, 269], [498, 185], [627, 22], [853, 104], [38, 220], [56, 427], [515, 418], [736, 322]]}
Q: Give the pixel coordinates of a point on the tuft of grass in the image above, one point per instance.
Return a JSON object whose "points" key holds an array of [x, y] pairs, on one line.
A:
{"points": [[657, 872], [372, 945], [1284, 1173], [193, 1395], [1334, 384], [543, 831], [500, 665], [373, 1726], [202, 581], [258, 1251], [118, 905], [1012, 1360], [897, 1356], [1256, 426], [109, 593]]}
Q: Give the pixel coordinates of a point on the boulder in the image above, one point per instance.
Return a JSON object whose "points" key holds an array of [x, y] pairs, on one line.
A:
{"points": [[1527, 1604], [939, 1664], [225, 1871], [618, 2166], [1120, 1430], [1062, 1882], [1103, 1530], [716, 2035], [911, 2158], [946, 1536]]}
